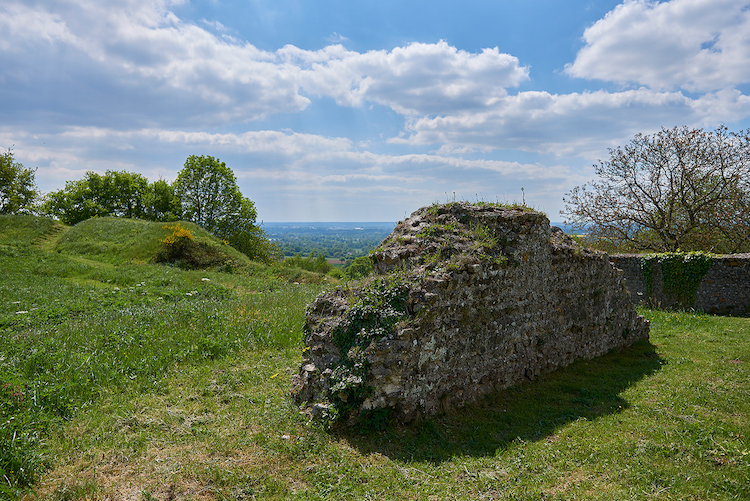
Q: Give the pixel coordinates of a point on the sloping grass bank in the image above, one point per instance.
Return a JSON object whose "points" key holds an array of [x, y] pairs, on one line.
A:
{"points": [[116, 241], [76, 328]]}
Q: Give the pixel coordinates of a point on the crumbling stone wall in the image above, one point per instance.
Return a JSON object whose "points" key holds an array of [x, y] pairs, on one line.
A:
{"points": [[725, 288], [469, 299]]}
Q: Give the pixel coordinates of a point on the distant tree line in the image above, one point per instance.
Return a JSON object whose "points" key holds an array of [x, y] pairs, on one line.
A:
{"points": [[337, 245], [358, 268], [313, 262]]}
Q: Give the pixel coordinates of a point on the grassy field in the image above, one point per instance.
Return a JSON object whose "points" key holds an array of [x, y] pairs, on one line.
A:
{"points": [[121, 379]]}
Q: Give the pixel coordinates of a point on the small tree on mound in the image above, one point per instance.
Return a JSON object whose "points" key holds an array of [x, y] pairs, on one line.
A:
{"points": [[209, 196]]}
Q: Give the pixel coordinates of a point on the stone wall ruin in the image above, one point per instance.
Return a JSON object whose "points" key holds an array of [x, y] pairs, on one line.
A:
{"points": [[723, 290], [469, 299]]}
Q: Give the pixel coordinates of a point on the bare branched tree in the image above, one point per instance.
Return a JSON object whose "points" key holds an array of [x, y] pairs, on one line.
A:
{"points": [[680, 188]]}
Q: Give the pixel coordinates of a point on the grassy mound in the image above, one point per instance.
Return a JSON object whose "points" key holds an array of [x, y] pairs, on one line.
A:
{"points": [[129, 241], [22, 231], [117, 240]]}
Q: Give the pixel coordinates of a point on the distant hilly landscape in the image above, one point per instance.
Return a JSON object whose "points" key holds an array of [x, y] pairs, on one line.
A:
{"points": [[336, 240]]}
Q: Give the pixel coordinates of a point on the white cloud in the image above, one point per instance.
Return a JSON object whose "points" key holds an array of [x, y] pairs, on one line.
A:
{"points": [[581, 124], [287, 143], [216, 25], [336, 38], [148, 65], [297, 149], [419, 79], [153, 70], [146, 60], [696, 45], [264, 158]]}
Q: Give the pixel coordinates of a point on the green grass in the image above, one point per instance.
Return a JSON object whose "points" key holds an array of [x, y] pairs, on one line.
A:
{"points": [[75, 329], [148, 382], [23, 231], [115, 240]]}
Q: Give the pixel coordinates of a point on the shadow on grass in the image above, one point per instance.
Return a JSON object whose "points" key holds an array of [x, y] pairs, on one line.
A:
{"points": [[531, 411]]}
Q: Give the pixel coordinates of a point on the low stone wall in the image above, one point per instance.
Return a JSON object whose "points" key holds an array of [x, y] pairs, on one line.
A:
{"points": [[725, 289], [471, 299]]}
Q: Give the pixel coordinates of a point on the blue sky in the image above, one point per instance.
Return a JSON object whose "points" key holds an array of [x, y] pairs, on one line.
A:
{"points": [[364, 111]]}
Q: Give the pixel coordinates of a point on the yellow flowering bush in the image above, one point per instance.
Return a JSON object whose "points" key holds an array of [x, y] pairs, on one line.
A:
{"points": [[178, 247], [182, 248], [179, 232]]}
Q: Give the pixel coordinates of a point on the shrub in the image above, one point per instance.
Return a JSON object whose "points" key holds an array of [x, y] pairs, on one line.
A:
{"points": [[360, 268], [181, 248], [313, 262]]}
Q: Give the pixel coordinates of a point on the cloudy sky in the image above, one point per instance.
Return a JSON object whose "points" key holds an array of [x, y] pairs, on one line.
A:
{"points": [[341, 110]]}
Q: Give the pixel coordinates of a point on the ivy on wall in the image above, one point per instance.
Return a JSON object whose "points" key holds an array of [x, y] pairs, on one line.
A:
{"points": [[377, 308], [681, 273]]}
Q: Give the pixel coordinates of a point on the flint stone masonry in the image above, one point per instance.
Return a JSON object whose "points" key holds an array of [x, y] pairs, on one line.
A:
{"points": [[725, 289], [495, 297]]}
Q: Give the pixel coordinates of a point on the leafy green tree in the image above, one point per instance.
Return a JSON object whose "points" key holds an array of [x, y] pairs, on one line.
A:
{"points": [[161, 204], [78, 201], [123, 194], [209, 196], [17, 186], [679, 189]]}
